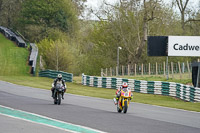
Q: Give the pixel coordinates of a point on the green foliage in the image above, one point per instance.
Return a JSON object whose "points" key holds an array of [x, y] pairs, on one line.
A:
{"points": [[58, 54], [98, 50], [9, 12], [80, 5], [193, 26], [92, 45], [39, 16], [49, 13], [56, 34], [124, 27]]}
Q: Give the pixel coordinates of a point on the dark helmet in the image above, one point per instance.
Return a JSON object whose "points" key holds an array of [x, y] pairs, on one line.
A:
{"points": [[59, 76]]}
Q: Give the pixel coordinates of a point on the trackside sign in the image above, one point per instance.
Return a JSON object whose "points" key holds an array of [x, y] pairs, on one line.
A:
{"points": [[184, 46]]}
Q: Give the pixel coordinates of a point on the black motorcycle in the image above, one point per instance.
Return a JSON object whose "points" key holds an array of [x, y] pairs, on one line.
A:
{"points": [[59, 90]]}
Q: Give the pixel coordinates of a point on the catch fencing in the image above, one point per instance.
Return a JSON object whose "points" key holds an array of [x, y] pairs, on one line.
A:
{"points": [[181, 91], [171, 69], [68, 77]]}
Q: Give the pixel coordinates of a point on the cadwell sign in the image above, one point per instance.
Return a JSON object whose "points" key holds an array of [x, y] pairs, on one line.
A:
{"points": [[183, 45]]}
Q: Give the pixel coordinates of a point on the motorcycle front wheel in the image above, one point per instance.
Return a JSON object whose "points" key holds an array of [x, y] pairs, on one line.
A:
{"points": [[59, 98], [55, 99], [125, 108], [118, 109]]}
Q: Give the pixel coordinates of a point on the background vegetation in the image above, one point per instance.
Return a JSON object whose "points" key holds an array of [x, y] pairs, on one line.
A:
{"points": [[76, 45]]}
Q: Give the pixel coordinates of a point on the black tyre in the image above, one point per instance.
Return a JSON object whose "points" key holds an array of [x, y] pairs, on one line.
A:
{"points": [[55, 99], [59, 98], [125, 108], [118, 109]]}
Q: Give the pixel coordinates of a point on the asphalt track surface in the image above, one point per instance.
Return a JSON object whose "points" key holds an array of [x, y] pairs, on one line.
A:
{"points": [[91, 112], [12, 125]]}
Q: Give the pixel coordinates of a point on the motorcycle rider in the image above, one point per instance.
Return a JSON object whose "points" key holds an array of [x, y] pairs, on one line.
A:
{"points": [[118, 92], [59, 80]]}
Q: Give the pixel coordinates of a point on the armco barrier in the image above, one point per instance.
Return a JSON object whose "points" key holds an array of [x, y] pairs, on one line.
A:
{"points": [[68, 77], [13, 37], [33, 57], [184, 92]]}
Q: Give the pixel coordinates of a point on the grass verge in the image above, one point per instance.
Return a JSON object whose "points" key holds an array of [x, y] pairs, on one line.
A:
{"points": [[78, 89], [184, 80], [13, 59]]}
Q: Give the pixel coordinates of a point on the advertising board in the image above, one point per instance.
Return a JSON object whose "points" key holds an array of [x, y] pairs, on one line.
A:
{"points": [[184, 46]]}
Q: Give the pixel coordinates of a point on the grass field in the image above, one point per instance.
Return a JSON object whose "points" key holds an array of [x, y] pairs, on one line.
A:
{"points": [[13, 59], [183, 80], [14, 69]]}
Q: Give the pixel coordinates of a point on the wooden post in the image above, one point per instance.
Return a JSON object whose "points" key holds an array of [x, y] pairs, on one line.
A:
{"points": [[111, 71], [122, 70], [156, 68], [142, 69], [128, 70], [106, 72], [168, 70], [135, 70], [164, 68], [41, 64], [101, 72], [188, 66], [172, 69], [179, 67], [149, 69]]}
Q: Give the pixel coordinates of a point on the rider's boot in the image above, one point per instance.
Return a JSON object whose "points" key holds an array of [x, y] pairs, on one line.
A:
{"points": [[52, 94], [63, 95], [115, 101], [52, 91]]}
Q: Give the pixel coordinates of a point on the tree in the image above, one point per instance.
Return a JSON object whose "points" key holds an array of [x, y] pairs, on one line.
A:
{"points": [[128, 25], [195, 25], [1, 1], [187, 14], [58, 55], [9, 12], [42, 15], [80, 6], [182, 7], [149, 10]]}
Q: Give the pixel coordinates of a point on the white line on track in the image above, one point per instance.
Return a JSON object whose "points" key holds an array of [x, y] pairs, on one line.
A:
{"points": [[98, 131]]}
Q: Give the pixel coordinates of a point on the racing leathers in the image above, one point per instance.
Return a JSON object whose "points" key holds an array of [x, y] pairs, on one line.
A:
{"points": [[118, 94], [57, 80]]}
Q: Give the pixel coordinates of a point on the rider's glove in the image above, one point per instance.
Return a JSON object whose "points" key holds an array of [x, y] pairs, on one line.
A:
{"points": [[118, 94], [131, 95]]}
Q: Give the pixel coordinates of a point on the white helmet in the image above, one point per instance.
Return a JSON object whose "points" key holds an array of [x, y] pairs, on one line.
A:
{"points": [[124, 85], [59, 76]]}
